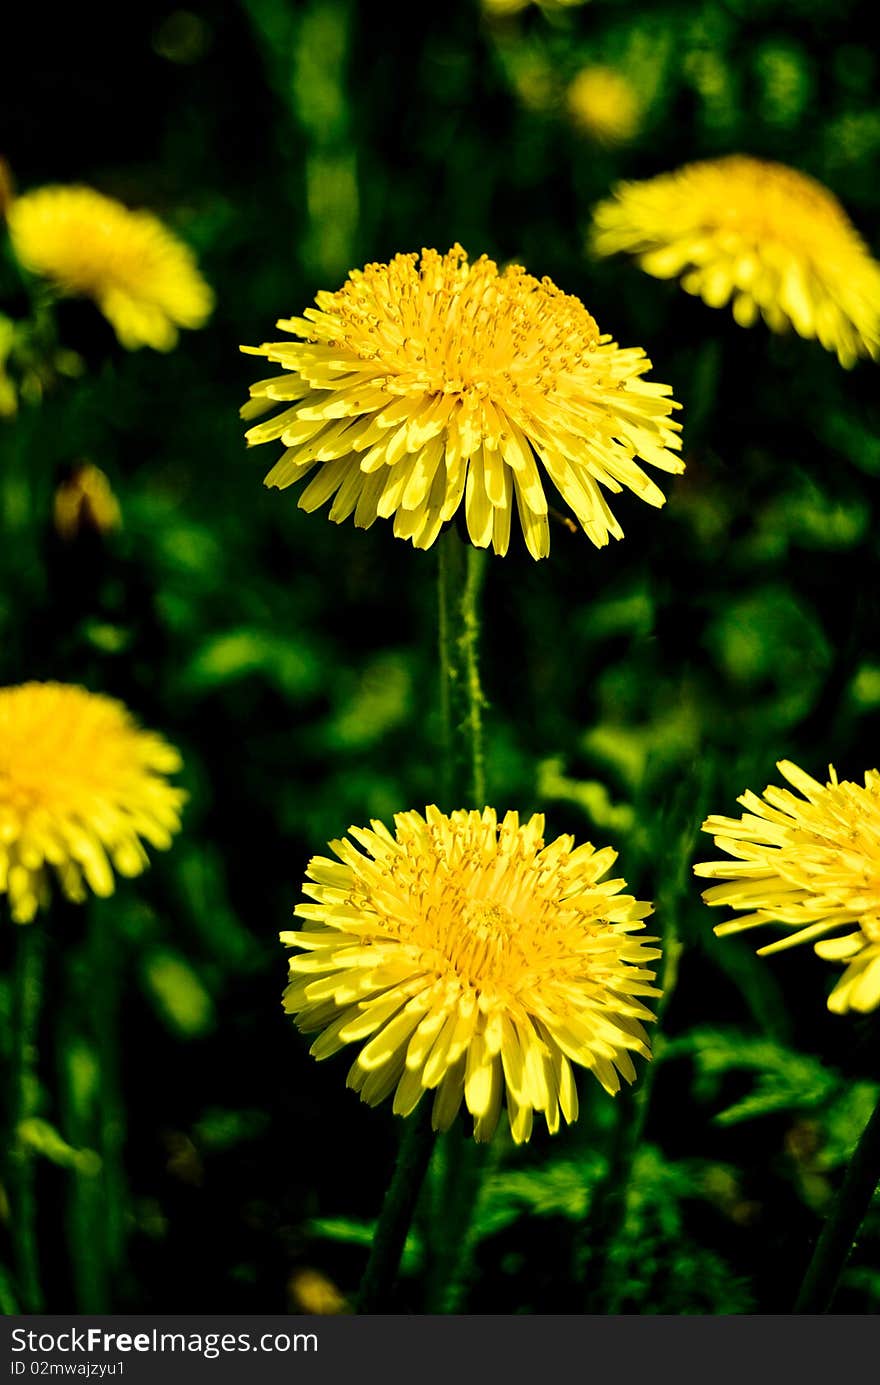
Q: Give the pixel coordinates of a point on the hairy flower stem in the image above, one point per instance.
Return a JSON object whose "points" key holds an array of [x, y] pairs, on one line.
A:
{"points": [[462, 569], [449, 558], [458, 1175], [459, 580], [24, 1104], [841, 1228], [418, 1142]]}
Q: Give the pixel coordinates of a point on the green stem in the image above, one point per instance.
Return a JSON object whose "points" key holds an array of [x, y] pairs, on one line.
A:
{"points": [[106, 969], [461, 570], [8, 1301], [459, 1175], [396, 1216], [841, 1228], [25, 1103], [308, 49], [78, 1067], [448, 556], [606, 1229], [672, 950], [461, 573], [606, 1225], [469, 643], [94, 1115]]}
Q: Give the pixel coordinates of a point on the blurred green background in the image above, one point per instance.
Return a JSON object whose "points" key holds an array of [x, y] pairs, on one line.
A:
{"points": [[293, 662]]}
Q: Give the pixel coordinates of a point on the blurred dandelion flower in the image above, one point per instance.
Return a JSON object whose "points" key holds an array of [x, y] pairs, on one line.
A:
{"points": [[813, 865], [85, 503], [81, 788], [533, 78], [764, 237], [144, 280], [430, 380], [7, 188], [477, 962], [604, 104]]}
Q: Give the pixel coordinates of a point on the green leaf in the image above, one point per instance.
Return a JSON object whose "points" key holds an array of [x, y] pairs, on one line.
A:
{"points": [[783, 1079], [41, 1137], [242, 653], [363, 1233], [179, 995]]}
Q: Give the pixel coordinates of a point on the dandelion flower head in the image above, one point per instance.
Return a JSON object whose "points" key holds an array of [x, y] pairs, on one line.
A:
{"points": [[82, 788], [475, 962], [812, 864], [143, 279], [604, 104], [767, 239], [431, 381]]}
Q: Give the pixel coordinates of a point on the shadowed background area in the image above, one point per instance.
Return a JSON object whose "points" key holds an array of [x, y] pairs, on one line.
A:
{"points": [[631, 690]]}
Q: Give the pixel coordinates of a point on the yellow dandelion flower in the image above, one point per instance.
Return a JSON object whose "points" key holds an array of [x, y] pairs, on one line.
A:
{"points": [[144, 280], [430, 380], [811, 864], [604, 104], [767, 239], [477, 962], [82, 787], [85, 503]]}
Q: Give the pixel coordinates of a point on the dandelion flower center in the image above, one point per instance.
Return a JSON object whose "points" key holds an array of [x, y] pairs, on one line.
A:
{"points": [[486, 942], [430, 381], [477, 961], [499, 333]]}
